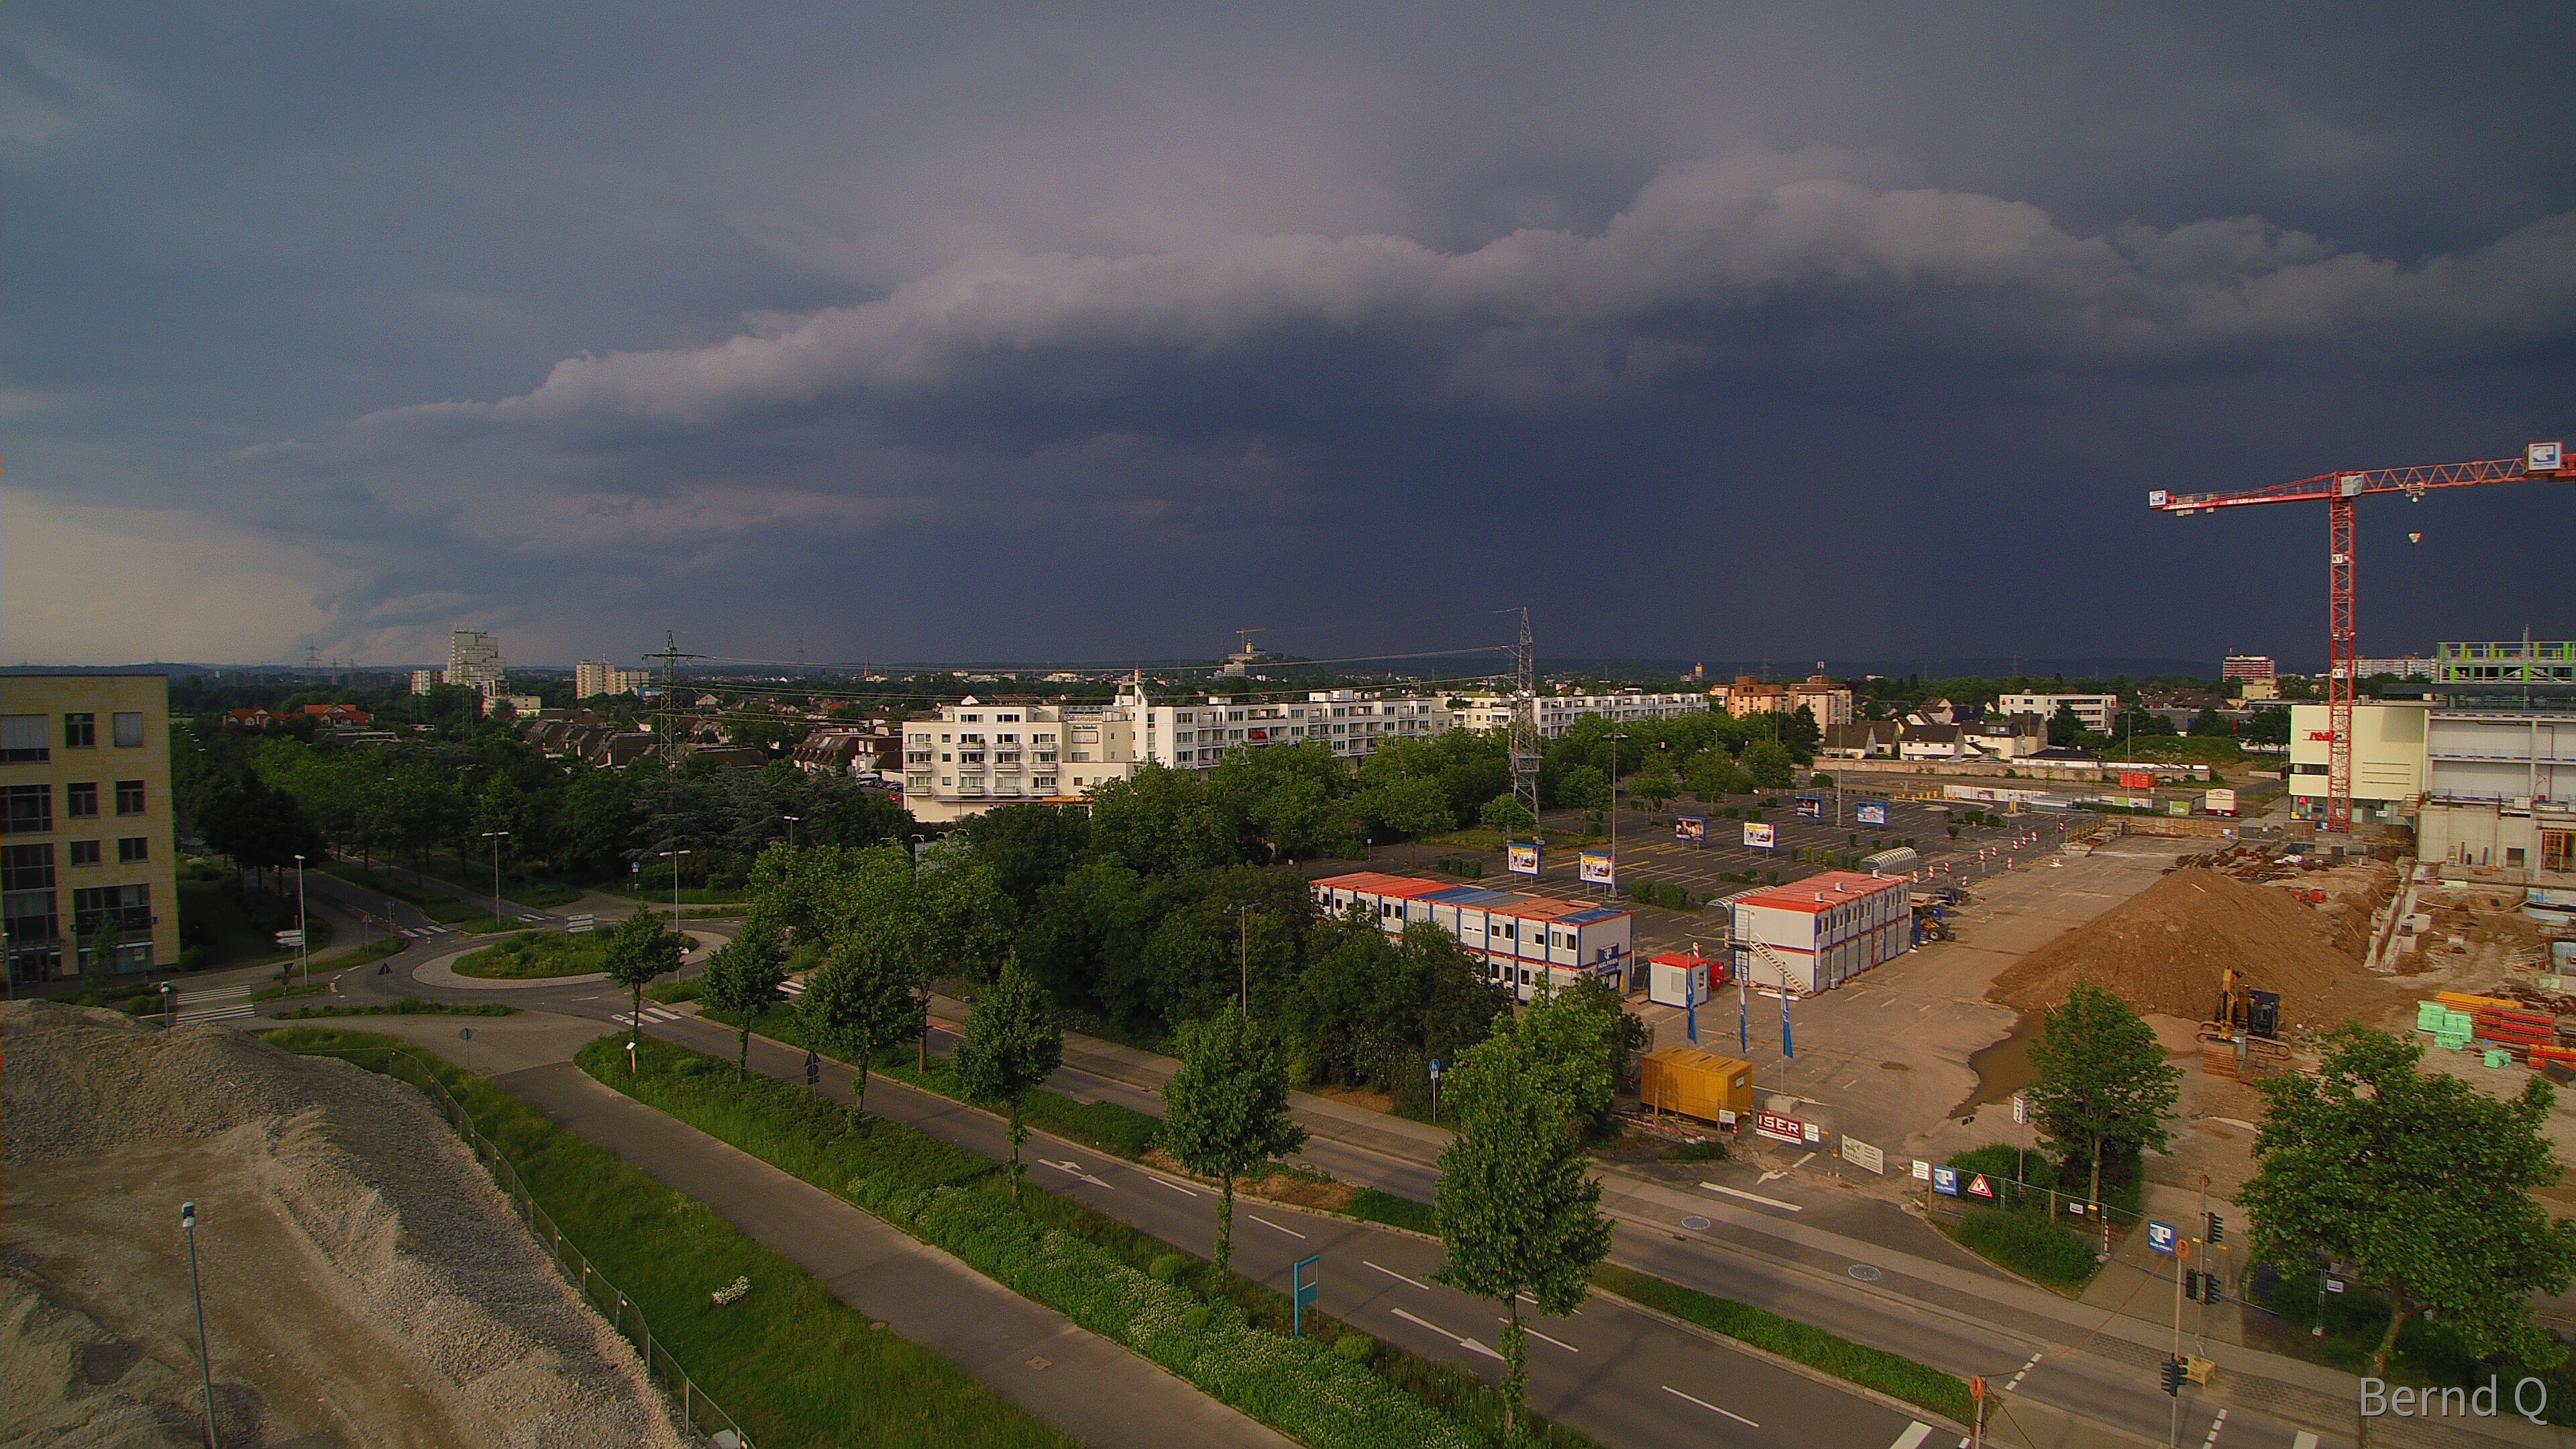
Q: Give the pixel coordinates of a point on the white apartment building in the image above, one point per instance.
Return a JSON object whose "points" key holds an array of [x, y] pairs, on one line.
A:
{"points": [[2096, 710], [598, 676], [474, 661], [425, 680], [1558, 712], [976, 756]]}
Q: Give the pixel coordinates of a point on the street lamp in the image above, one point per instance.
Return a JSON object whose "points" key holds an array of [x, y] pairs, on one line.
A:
{"points": [[673, 856], [915, 853], [1243, 915], [205, 1361], [496, 837], [1615, 736], [791, 829], [303, 952]]}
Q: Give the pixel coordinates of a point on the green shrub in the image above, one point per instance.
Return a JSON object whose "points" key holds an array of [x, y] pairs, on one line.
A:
{"points": [[670, 992], [2036, 1249], [1167, 1267], [1355, 1347]]}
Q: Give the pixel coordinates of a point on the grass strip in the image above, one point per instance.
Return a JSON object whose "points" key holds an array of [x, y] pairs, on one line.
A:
{"points": [[1892, 1374], [405, 1006], [532, 955], [791, 1361], [1109, 1277]]}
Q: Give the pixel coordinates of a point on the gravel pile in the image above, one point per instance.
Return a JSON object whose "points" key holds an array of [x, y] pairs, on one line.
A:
{"points": [[400, 1218]]}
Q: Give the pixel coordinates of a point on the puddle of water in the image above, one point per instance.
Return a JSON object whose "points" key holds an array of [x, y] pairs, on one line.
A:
{"points": [[2003, 1068]]}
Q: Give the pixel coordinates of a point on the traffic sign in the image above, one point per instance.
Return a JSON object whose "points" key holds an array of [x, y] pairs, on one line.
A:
{"points": [[290, 938], [2160, 1236], [579, 925], [1979, 1187], [2021, 1109], [1305, 1281]]}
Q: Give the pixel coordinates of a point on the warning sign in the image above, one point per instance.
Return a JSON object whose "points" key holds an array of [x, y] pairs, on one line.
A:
{"points": [[1979, 1187]]}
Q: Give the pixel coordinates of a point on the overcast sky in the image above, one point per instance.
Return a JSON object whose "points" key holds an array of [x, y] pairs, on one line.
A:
{"points": [[937, 332]]}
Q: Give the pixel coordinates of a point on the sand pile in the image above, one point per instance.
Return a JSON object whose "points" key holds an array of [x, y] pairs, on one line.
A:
{"points": [[2164, 950], [369, 1283]]}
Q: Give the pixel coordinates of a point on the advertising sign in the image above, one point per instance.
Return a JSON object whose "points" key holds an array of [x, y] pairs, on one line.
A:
{"points": [[1872, 812], [1780, 1129], [1945, 1181], [1811, 807], [2543, 457], [1760, 837], [1862, 1155], [1691, 829], [1922, 1170], [1594, 867], [1521, 857], [2021, 1108], [2160, 1236]]}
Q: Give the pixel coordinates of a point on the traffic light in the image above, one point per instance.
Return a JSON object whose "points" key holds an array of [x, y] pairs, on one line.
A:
{"points": [[2217, 1230], [2191, 1281], [2173, 1376]]}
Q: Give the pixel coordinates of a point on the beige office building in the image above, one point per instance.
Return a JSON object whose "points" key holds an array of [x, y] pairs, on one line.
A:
{"points": [[87, 840]]}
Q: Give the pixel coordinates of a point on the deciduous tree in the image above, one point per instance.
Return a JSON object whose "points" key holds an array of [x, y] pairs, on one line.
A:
{"points": [[1012, 1042], [866, 995], [640, 949], [2420, 1181], [1515, 1209], [2104, 1085], [1225, 1112], [743, 977]]}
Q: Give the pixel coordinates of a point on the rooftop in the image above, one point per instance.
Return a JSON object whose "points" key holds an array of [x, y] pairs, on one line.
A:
{"points": [[1821, 892]]}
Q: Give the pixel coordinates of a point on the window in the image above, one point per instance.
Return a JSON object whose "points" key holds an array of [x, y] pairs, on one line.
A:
{"points": [[129, 797], [27, 867], [129, 729], [80, 731], [26, 810], [22, 739], [133, 848], [30, 916], [80, 801], [127, 908], [84, 852]]}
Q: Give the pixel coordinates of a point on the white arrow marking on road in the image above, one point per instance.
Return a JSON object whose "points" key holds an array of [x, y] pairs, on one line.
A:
{"points": [[1267, 1223], [1076, 1169], [1712, 1408], [1753, 1197], [1532, 1302], [1174, 1186], [1399, 1277], [1465, 1343], [2305, 1440], [1534, 1333], [1913, 1437]]}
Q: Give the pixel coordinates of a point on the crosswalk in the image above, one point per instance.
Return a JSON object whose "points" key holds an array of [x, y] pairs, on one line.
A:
{"points": [[423, 933], [660, 1013], [792, 988], [224, 1003]]}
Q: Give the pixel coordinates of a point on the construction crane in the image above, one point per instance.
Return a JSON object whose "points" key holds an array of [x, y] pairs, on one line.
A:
{"points": [[2539, 462]]}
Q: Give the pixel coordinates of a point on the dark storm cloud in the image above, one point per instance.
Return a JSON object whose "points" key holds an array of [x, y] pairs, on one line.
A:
{"points": [[1706, 334]]}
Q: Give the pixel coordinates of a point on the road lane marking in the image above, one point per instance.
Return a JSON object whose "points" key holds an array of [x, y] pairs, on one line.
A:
{"points": [[2023, 1373], [1913, 1437], [2305, 1440], [1712, 1408], [1465, 1343], [1534, 1333], [1174, 1186], [1399, 1277], [1753, 1197], [1267, 1223], [1069, 1165], [2214, 1426], [1532, 1302]]}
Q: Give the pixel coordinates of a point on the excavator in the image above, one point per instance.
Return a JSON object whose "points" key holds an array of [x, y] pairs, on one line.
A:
{"points": [[2242, 1008]]}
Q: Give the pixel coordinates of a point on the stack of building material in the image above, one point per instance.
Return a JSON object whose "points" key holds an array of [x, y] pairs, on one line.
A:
{"points": [[2429, 1015], [2455, 1031], [2514, 1030]]}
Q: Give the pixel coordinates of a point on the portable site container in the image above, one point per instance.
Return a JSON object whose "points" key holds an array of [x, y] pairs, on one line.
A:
{"points": [[1528, 943], [1695, 1083], [1824, 930], [1671, 975]]}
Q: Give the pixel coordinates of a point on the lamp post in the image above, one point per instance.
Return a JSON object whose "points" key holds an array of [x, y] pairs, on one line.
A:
{"points": [[791, 829], [673, 856], [915, 853], [196, 1290], [496, 837], [1615, 736], [303, 951], [1243, 956]]}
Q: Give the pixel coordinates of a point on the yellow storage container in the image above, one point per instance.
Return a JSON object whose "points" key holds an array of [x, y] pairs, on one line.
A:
{"points": [[1696, 1083]]}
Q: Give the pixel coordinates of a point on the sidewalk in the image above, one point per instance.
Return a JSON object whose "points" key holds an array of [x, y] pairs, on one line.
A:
{"points": [[1072, 1379]]}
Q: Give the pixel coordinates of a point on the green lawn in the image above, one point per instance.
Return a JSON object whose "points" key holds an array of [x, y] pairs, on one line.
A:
{"points": [[533, 954], [790, 1361], [406, 1006]]}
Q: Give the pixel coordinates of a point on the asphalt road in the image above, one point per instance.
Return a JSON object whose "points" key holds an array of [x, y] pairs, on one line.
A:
{"points": [[1603, 1372]]}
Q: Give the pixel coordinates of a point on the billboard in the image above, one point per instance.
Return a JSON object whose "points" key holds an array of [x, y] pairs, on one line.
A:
{"points": [[1872, 812], [1811, 807], [1595, 868], [1521, 857], [1691, 829], [1760, 837], [1779, 1128]]}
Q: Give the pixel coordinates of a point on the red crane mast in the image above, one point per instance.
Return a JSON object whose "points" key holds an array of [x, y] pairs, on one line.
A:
{"points": [[2539, 462]]}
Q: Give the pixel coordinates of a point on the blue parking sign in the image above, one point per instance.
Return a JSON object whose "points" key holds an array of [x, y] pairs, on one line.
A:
{"points": [[2160, 1236], [1945, 1180]]}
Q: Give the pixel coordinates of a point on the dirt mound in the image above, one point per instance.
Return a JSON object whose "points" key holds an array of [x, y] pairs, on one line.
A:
{"points": [[2163, 951], [363, 1271]]}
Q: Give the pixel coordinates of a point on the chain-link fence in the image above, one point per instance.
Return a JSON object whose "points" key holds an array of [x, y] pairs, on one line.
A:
{"points": [[699, 1411]]}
